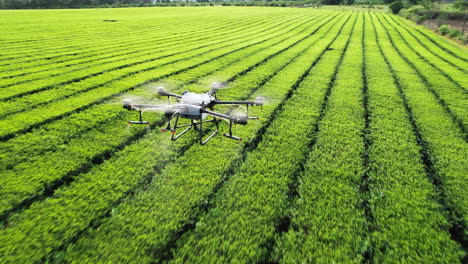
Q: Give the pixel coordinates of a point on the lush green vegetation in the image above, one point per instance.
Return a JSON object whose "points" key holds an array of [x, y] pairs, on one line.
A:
{"points": [[360, 154], [436, 15]]}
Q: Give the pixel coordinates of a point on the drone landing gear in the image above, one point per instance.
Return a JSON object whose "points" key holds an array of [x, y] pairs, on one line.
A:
{"points": [[230, 135], [197, 125], [141, 122]]}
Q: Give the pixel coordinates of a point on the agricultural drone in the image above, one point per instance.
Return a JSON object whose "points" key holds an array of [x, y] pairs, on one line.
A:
{"points": [[195, 107]]}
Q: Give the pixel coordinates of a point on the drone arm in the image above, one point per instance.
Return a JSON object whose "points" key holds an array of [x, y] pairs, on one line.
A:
{"points": [[162, 92], [237, 103], [170, 94], [235, 120], [144, 107]]}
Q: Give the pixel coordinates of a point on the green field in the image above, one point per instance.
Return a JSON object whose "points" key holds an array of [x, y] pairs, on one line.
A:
{"points": [[359, 156]]}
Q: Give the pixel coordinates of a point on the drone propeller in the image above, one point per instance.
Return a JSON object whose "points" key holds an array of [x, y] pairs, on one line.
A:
{"points": [[218, 85], [135, 100], [240, 115], [260, 100]]}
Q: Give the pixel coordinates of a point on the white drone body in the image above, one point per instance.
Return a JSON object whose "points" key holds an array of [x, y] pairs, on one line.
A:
{"points": [[195, 107]]}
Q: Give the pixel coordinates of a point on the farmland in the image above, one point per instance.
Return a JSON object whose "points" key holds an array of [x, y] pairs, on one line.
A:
{"points": [[359, 155]]}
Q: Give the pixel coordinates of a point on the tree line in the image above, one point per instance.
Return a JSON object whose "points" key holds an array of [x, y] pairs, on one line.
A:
{"points": [[36, 4]]}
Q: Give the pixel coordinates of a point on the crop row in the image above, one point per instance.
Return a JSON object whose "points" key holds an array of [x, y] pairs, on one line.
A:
{"points": [[42, 167], [443, 148], [90, 208], [408, 222]]}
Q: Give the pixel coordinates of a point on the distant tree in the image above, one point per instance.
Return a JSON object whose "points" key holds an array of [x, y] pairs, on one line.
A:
{"points": [[462, 5], [427, 4], [331, 2], [79, 3], [396, 7], [350, 2], [15, 4], [105, 2]]}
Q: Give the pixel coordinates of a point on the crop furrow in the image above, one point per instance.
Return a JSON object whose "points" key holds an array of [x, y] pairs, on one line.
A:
{"points": [[366, 180]]}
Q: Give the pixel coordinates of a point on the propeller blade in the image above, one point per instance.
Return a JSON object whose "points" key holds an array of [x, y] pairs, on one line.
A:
{"points": [[218, 85]]}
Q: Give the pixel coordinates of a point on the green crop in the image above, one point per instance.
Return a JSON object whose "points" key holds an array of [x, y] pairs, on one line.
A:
{"points": [[359, 154]]}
